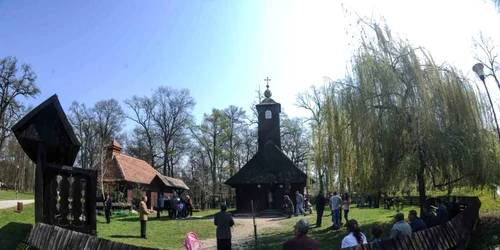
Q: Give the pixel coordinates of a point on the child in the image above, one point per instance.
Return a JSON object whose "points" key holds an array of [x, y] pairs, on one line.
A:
{"points": [[180, 207], [376, 232]]}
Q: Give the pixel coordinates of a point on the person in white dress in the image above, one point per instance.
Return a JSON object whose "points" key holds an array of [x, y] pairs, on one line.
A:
{"points": [[355, 236]]}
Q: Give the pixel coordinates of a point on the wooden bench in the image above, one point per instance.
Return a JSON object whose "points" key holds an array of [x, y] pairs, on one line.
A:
{"points": [[49, 237], [454, 234]]}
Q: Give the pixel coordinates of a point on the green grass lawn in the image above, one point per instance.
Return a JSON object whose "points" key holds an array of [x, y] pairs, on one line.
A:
{"points": [[15, 227], [162, 233], [11, 195], [273, 238], [169, 234]]}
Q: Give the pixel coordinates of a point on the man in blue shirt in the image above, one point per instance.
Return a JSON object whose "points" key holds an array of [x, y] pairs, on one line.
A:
{"points": [[416, 223], [335, 202], [299, 199]]}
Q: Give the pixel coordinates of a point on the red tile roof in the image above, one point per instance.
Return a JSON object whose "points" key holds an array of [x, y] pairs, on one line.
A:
{"points": [[135, 170], [116, 144], [126, 168]]}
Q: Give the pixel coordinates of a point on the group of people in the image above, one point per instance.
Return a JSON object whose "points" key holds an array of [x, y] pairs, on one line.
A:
{"points": [[336, 203], [177, 207]]}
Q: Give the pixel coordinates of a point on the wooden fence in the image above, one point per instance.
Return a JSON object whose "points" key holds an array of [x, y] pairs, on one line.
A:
{"points": [[454, 234], [49, 237]]}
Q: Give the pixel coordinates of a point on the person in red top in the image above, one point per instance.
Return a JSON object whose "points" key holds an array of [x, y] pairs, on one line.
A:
{"points": [[301, 240]]}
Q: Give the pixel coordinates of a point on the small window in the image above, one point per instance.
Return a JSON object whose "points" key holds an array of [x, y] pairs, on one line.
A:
{"points": [[268, 114]]}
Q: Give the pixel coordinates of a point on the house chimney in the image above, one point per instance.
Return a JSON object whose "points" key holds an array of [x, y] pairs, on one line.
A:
{"points": [[113, 149]]}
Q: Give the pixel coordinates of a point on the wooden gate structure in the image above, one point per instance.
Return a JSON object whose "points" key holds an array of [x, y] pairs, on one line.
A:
{"points": [[64, 196]]}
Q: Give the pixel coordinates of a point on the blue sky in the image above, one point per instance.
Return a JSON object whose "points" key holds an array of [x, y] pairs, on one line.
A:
{"points": [[219, 49]]}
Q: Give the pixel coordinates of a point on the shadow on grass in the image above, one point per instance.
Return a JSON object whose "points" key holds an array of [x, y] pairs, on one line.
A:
{"points": [[164, 218], [125, 236], [487, 234], [14, 233], [326, 236]]}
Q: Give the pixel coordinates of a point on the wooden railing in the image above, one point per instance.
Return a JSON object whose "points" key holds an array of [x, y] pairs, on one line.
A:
{"points": [[454, 234], [49, 237]]}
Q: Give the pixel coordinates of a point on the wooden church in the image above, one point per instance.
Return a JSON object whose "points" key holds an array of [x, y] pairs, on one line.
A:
{"points": [[270, 173]]}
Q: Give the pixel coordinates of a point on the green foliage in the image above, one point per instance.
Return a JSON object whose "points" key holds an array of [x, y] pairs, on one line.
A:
{"points": [[137, 195], [11, 195], [397, 114]]}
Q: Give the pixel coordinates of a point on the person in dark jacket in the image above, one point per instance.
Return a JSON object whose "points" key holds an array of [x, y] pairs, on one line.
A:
{"points": [[288, 206], [442, 212], [416, 223], [224, 221], [320, 207], [107, 208]]}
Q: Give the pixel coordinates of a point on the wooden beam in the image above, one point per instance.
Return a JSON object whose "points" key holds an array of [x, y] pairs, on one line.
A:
{"points": [[39, 170]]}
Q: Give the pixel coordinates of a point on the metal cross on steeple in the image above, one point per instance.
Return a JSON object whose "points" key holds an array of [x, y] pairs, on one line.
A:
{"points": [[267, 80]]}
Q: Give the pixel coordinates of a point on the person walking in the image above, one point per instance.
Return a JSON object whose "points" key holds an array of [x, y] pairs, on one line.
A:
{"points": [[107, 208], [288, 206], [335, 202], [300, 204], [347, 206], [320, 207], [143, 215], [224, 221]]}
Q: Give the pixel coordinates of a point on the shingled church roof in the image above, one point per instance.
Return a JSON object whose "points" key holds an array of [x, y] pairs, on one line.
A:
{"points": [[269, 165]]}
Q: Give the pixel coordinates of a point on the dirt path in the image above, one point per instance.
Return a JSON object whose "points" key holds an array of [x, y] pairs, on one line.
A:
{"points": [[242, 231], [13, 203]]}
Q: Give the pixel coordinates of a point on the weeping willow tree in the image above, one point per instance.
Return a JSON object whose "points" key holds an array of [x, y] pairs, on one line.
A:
{"points": [[411, 120]]}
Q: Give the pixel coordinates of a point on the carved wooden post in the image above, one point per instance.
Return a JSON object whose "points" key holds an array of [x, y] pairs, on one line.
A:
{"points": [[39, 183]]}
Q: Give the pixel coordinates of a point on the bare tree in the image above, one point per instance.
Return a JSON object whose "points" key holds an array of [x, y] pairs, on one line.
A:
{"points": [[109, 121], [487, 53], [294, 139], [142, 114], [83, 121], [314, 101], [15, 82], [171, 115], [211, 137]]}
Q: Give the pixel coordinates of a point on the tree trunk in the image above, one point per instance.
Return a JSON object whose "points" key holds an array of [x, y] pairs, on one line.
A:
{"points": [[421, 181], [165, 162]]}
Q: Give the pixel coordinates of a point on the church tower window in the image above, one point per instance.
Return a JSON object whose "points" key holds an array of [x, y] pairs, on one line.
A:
{"points": [[269, 115]]}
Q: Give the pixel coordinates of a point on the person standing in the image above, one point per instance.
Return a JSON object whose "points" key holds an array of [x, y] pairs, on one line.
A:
{"points": [[107, 208], [335, 202], [224, 221], [347, 206], [270, 199], [300, 204], [143, 215], [159, 205], [320, 207], [174, 203], [189, 204]]}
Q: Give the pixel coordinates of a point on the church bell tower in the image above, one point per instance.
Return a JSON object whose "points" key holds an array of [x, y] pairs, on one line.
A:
{"points": [[269, 120]]}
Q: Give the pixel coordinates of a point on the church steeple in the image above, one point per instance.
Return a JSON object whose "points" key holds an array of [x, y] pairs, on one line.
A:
{"points": [[269, 119]]}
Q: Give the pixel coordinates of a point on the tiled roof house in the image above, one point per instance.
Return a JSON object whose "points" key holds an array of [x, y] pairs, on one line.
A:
{"points": [[126, 170]]}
